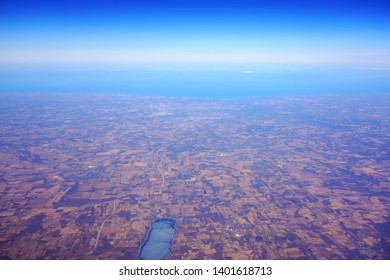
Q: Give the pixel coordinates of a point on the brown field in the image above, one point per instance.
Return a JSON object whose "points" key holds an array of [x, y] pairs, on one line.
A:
{"points": [[84, 176]]}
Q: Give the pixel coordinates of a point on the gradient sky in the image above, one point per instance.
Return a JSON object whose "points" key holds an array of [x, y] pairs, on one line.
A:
{"points": [[46, 34]]}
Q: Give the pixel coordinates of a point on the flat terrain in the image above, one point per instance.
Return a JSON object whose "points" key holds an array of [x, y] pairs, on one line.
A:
{"points": [[84, 176]]}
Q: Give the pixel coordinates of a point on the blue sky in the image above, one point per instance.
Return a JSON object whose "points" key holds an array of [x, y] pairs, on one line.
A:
{"points": [[131, 34], [195, 48]]}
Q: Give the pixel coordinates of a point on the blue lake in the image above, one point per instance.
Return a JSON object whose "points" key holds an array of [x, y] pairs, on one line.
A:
{"points": [[199, 84], [158, 244]]}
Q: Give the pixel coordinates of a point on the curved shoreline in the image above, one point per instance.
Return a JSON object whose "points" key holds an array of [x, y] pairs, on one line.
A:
{"points": [[158, 243]]}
